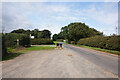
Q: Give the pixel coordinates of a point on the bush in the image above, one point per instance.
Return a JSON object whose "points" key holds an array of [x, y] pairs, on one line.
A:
{"points": [[72, 42], [25, 40], [109, 42], [41, 41], [59, 40], [2, 43], [11, 40]]}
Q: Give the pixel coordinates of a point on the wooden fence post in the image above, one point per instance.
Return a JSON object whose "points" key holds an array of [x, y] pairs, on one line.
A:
{"points": [[17, 43]]}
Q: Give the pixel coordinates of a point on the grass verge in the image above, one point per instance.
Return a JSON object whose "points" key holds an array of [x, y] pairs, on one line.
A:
{"points": [[32, 48], [11, 56], [99, 49], [55, 42], [12, 53]]}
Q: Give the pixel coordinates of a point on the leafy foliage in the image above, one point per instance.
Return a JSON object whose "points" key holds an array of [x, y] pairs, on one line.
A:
{"points": [[25, 40], [11, 39], [35, 32], [4, 49], [80, 30], [109, 42], [59, 40], [41, 41], [76, 31], [55, 37]]}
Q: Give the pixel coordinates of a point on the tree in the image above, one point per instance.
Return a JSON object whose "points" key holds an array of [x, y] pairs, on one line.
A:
{"points": [[28, 32], [64, 31], [18, 31], [35, 32], [55, 37], [80, 30], [40, 34], [25, 40], [46, 33]]}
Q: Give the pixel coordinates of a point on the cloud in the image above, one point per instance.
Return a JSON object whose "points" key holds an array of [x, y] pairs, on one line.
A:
{"points": [[18, 15], [59, 0], [13, 18], [43, 15], [111, 0], [64, 18], [103, 15], [106, 17]]}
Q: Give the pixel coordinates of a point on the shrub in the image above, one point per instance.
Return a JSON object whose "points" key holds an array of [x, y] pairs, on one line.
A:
{"points": [[41, 41], [109, 42], [11, 40], [2, 43], [72, 42], [59, 40], [25, 40]]}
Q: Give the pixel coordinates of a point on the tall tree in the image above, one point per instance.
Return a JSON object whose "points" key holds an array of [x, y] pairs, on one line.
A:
{"points": [[18, 31], [40, 34], [55, 37], [80, 30], [35, 32], [64, 31], [46, 34]]}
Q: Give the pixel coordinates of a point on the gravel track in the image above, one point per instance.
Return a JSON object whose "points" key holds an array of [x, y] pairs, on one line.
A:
{"points": [[57, 63]]}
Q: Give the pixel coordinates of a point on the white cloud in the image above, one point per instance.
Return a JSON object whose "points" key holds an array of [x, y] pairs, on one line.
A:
{"points": [[12, 18], [16, 15], [103, 16], [64, 18], [59, 0]]}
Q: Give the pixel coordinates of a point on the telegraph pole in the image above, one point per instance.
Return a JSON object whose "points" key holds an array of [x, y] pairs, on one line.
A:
{"points": [[116, 30]]}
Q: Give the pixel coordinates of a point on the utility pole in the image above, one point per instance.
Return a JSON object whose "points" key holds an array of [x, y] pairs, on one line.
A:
{"points": [[116, 30]]}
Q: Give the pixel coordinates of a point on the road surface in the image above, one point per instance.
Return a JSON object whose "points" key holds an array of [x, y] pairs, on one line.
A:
{"points": [[70, 62], [102, 59]]}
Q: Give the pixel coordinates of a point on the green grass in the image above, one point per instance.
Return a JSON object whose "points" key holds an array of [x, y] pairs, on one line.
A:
{"points": [[38, 48], [55, 42], [11, 56], [99, 49], [9, 50], [65, 42], [34, 48], [12, 53]]}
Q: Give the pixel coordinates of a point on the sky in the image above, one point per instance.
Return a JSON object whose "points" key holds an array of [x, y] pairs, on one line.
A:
{"points": [[102, 16]]}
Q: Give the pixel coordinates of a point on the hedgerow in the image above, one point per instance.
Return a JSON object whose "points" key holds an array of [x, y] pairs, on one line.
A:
{"points": [[11, 40], [41, 41], [109, 42]]}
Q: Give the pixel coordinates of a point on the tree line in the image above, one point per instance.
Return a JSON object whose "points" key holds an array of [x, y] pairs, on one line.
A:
{"points": [[36, 33], [75, 32], [9, 40]]}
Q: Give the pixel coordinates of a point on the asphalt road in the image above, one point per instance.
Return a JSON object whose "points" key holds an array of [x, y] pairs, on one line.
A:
{"points": [[70, 62], [104, 60]]}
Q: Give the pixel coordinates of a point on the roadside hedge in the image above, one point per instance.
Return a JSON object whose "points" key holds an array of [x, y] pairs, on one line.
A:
{"points": [[3, 46], [59, 40], [11, 40], [109, 42], [41, 41]]}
